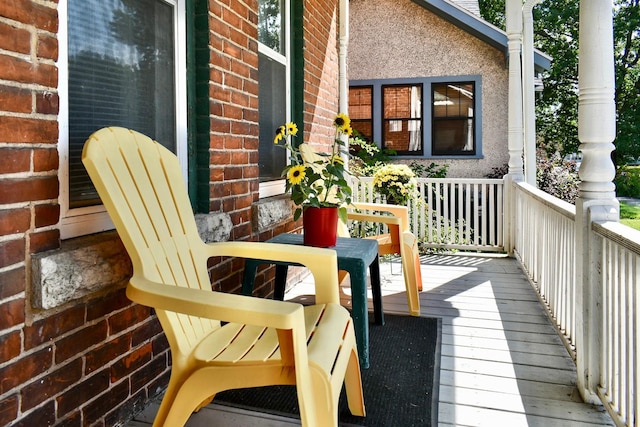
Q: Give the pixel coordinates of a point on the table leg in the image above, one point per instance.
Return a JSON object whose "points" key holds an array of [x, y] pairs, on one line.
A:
{"points": [[374, 271], [281, 281], [360, 314], [249, 276]]}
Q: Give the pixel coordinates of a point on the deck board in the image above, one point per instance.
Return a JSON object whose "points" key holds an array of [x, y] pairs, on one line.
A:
{"points": [[502, 360]]}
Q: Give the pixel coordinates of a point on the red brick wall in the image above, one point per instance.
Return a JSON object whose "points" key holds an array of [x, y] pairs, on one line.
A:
{"points": [[321, 20], [234, 112], [233, 92], [98, 361]]}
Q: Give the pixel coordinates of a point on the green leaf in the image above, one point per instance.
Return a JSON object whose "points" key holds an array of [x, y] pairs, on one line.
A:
{"points": [[342, 214]]}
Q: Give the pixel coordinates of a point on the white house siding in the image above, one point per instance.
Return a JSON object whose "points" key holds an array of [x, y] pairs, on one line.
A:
{"points": [[399, 38]]}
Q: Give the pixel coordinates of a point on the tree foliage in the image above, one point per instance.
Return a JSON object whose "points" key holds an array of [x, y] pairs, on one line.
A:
{"points": [[556, 24], [626, 34]]}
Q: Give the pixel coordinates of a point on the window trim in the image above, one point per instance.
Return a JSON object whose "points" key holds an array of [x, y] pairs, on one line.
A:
{"points": [[92, 219], [427, 114]]}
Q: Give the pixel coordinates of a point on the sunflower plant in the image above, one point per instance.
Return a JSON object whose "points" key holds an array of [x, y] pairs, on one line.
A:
{"points": [[317, 179]]}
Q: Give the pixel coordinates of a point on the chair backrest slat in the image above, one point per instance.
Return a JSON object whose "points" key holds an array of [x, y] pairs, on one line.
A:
{"points": [[140, 182]]}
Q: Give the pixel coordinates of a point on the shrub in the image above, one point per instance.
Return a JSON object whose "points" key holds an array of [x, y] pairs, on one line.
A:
{"points": [[498, 173], [557, 177], [627, 181], [366, 157], [432, 171]]}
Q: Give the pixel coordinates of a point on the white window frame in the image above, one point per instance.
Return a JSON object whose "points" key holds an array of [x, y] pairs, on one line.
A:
{"points": [[277, 187], [93, 219]]}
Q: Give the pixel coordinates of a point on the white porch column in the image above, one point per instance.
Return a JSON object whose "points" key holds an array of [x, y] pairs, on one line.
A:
{"points": [[596, 202], [514, 41], [529, 93], [513, 12], [343, 81]]}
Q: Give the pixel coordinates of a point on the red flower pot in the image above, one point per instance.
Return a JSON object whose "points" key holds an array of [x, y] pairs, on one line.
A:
{"points": [[320, 227]]}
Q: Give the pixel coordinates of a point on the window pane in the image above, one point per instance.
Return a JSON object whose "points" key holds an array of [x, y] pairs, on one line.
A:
{"points": [[121, 73], [271, 24], [453, 122], [273, 113], [402, 118], [453, 136], [361, 110]]}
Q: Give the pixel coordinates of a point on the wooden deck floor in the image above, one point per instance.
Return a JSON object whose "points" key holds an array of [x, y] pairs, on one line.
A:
{"points": [[502, 362]]}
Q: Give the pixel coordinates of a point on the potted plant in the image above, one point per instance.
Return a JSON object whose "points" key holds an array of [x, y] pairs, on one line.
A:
{"points": [[317, 181], [396, 183]]}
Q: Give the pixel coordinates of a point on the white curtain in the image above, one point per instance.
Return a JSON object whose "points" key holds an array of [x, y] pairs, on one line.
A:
{"points": [[414, 125]]}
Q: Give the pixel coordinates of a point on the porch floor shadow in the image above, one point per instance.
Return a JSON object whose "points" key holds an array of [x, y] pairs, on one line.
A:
{"points": [[502, 361]]}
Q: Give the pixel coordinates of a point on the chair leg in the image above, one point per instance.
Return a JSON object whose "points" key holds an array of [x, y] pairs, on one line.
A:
{"points": [[412, 273], [167, 402], [353, 385]]}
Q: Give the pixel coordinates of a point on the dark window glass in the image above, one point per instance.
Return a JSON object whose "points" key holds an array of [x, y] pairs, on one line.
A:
{"points": [[453, 119], [271, 25], [361, 110]]}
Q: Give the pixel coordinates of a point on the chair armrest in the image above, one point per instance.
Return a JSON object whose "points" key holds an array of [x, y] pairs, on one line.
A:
{"points": [[401, 212], [385, 219], [216, 305], [323, 263]]}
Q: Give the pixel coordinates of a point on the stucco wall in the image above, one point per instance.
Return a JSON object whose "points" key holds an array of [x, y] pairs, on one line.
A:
{"points": [[398, 38]]}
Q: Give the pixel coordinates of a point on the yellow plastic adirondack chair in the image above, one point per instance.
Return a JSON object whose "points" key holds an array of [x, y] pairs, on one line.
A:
{"points": [[400, 240], [265, 342]]}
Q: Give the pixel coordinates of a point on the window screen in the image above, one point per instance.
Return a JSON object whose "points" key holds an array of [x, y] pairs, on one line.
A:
{"points": [[121, 73], [273, 114], [272, 85]]}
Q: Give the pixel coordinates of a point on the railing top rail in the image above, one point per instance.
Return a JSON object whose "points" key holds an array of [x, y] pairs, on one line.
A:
{"points": [[622, 235], [560, 206], [447, 180], [462, 180]]}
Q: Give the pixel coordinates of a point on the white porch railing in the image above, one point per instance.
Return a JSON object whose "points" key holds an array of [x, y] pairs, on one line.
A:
{"points": [[620, 333], [467, 214], [545, 245], [463, 214]]}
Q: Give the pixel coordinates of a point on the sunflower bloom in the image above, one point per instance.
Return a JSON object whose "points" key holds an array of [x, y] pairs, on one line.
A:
{"points": [[342, 122], [279, 134], [296, 174], [337, 160], [292, 129]]}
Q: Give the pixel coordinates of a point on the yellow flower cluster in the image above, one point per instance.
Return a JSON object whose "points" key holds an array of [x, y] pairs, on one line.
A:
{"points": [[396, 182]]}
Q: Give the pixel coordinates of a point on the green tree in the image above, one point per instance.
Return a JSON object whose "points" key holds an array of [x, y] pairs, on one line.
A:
{"points": [[556, 25], [626, 33]]}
